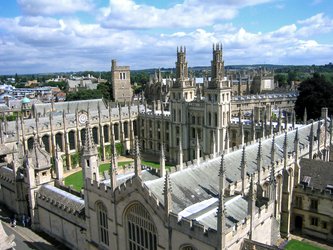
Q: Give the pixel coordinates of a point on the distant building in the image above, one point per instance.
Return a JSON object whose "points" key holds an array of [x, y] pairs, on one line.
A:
{"points": [[121, 83], [82, 82]]}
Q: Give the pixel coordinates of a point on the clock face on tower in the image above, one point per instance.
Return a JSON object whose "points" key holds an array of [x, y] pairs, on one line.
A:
{"points": [[83, 118]]}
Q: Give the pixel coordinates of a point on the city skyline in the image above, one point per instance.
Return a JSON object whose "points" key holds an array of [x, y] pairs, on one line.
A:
{"points": [[39, 36]]}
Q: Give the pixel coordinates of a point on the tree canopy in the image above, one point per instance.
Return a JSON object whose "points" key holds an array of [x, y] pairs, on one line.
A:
{"points": [[84, 94], [314, 93]]}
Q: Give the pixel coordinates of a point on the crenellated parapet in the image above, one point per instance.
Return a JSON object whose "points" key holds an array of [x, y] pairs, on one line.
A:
{"points": [[99, 188], [311, 191], [193, 229]]}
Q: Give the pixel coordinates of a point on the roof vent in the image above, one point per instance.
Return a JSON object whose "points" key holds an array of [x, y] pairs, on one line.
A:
{"points": [[306, 181]]}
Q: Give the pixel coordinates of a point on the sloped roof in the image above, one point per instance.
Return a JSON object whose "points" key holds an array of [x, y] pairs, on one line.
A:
{"points": [[62, 197], [320, 172], [198, 183], [40, 158]]}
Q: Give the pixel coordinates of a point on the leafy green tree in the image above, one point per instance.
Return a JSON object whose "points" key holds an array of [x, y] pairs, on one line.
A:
{"points": [[314, 93], [139, 77], [84, 94], [281, 79], [106, 90]]}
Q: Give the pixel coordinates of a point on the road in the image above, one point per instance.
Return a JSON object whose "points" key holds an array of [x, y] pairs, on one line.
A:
{"points": [[25, 238]]}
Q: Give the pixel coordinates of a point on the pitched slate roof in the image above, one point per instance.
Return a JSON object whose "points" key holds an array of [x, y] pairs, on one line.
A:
{"points": [[196, 184], [320, 172], [61, 197]]}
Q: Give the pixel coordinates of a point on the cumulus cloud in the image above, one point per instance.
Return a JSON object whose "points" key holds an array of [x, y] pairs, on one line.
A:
{"points": [[316, 24], [42, 43], [190, 13], [47, 7]]}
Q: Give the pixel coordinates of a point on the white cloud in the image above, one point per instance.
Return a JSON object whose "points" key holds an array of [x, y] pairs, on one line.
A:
{"points": [[51, 7], [43, 44], [316, 24], [190, 13]]}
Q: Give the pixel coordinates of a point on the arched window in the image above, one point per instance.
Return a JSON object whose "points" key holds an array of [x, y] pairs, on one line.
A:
{"points": [[141, 230], [102, 220], [187, 247]]}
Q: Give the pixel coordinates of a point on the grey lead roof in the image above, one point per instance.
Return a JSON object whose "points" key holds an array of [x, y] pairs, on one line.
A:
{"points": [[196, 184], [62, 197], [320, 172]]}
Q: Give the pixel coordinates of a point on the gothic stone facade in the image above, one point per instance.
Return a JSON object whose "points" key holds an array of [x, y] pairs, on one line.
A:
{"points": [[214, 198]]}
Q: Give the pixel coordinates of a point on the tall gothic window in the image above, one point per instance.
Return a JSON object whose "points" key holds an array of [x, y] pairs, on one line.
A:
{"points": [[187, 247], [102, 218], [141, 230]]}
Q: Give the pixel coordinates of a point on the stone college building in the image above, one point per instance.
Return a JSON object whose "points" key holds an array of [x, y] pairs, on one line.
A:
{"points": [[221, 193]]}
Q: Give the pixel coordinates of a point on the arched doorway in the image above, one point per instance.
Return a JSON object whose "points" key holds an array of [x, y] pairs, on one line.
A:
{"points": [[30, 143], [95, 135], [71, 138], [46, 142], [298, 222]]}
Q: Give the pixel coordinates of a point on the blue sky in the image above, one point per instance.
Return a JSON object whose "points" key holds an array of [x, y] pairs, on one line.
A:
{"points": [[39, 36]]}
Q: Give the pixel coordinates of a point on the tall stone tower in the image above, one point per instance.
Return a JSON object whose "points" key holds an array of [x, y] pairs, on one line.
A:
{"points": [[182, 92], [183, 88], [121, 82], [89, 157], [218, 101]]}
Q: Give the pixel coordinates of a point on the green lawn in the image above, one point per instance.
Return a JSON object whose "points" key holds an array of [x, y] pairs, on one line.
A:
{"points": [[298, 245], [76, 179], [154, 164]]}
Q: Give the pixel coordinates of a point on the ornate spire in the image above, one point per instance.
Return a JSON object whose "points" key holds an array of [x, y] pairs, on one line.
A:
{"points": [[89, 145], [243, 170], [251, 205], [167, 192], [58, 164], [222, 175], [226, 141], [162, 162], [197, 147], [285, 149], [311, 142], [272, 183], [319, 139], [113, 167], [89, 157], [279, 121], [293, 119], [221, 220], [214, 145], [296, 140], [259, 159], [273, 150], [271, 127], [137, 158], [253, 126], [180, 153], [305, 116]]}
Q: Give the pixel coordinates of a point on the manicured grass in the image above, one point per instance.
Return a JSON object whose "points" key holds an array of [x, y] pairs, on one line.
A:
{"points": [[76, 179], [298, 245], [106, 166], [154, 164]]}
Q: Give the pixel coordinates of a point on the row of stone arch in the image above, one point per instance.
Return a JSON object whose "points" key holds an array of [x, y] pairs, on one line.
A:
{"points": [[74, 138]]}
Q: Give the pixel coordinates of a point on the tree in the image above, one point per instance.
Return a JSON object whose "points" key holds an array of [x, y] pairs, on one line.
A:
{"points": [[281, 79], [314, 93], [84, 94], [106, 90]]}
